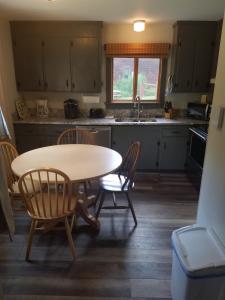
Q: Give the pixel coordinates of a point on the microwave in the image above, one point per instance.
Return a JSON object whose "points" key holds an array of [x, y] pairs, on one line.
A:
{"points": [[198, 111]]}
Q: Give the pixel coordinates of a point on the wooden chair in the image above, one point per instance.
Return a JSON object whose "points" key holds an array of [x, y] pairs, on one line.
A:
{"points": [[9, 153], [48, 198], [77, 136], [121, 182]]}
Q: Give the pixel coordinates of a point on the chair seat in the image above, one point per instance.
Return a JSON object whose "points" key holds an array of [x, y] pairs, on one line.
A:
{"points": [[113, 183]]}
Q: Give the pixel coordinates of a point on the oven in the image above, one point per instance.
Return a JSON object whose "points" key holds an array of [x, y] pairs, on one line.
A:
{"points": [[196, 154]]}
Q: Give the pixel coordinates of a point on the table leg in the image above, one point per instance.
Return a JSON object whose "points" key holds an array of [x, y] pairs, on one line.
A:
{"points": [[82, 208]]}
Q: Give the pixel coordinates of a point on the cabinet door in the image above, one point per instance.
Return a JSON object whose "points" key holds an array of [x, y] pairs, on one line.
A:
{"points": [[28, 56], [123, 136], [173, 149], [57, 64], [85, 65], [203, 63], [182, 81]]}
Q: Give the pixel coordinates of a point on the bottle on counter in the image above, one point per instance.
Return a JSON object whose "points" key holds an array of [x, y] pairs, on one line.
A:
{"points": [[168, 110]]}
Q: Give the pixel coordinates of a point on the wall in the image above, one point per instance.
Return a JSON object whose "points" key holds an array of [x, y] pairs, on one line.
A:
{"points": [[8, 92], [211, 209], [122, 33]]}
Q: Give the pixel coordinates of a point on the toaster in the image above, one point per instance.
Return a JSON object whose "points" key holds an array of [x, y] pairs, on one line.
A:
{"points": [[96, 113]]}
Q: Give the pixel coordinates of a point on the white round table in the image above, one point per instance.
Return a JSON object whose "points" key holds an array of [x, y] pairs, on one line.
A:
{"points": [[80, 162]]}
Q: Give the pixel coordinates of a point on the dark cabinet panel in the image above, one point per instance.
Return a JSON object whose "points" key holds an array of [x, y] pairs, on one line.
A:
{"points": [[85, 64], [57, 64], [66, 57], [192, 55], [122, 136], [28, 59]]}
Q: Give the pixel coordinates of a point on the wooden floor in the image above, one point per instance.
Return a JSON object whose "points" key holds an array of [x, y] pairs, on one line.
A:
{"points": [[121, 262]]}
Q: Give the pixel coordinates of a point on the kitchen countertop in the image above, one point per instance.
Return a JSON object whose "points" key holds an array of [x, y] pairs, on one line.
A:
{"points": [[110, 122]]}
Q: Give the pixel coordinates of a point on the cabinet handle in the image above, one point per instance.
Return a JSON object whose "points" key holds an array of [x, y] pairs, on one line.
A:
{"points": [[196, 82], [46, 84], [39, 82], [94, 83], [73, 85], [18, 84], [164, 146], [67, 83]]}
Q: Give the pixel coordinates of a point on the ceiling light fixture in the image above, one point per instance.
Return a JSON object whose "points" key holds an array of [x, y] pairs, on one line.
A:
{"points": [[139, 25]]}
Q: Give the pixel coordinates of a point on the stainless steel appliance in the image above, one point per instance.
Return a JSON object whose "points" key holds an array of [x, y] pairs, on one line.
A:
{"points": [[96, 113], [71, 109], [198, 111], [103, 134], [198, 140]]}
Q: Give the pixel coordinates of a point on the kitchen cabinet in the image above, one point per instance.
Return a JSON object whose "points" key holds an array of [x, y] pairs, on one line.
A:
{"points": [[173, 148], [216, 49], [57, 56], [192, 55], [28, 60], [32, 136], [149, 136], [85, 65], [56, 64]]}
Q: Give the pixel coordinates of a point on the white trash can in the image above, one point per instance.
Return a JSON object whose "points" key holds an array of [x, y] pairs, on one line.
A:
{"points": [[198, 269]]}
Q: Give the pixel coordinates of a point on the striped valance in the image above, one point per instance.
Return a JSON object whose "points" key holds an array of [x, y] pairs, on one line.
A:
{"points": [[137, 49]]}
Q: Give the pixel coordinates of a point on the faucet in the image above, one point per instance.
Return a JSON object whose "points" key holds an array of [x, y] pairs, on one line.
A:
{"points": [[138, 101]]}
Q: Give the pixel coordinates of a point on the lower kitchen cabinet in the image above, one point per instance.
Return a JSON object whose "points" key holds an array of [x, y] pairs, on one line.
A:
{"points": [[32, 136], [173, 148], [149, 137]]}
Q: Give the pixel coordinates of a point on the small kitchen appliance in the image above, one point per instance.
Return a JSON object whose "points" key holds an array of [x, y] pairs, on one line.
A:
{"points": [[198, 111], [71, 109], [42, 108], [96, 113]]}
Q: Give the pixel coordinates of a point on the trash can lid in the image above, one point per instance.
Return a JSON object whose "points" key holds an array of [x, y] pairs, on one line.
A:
{"points": [[200, 251]]}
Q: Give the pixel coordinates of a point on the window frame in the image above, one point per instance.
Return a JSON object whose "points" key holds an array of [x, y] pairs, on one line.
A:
{"points": [[156, 103]]}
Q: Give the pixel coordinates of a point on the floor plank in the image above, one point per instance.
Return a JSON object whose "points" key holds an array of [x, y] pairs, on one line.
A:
{"points": [[120, 262]]}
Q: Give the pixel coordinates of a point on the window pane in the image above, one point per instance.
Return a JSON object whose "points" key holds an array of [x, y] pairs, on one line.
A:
{"points": [[123, 71], [148, 74]]}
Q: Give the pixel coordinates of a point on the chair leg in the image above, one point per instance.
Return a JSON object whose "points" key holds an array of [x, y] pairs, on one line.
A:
{"points": [[70, 239], [114, 199], [30, 238], [100, 204], [73, 220], [97, 196], [131, 207]]}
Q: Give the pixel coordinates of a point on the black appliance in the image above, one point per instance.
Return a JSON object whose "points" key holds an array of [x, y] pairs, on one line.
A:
{"points": [[198, 111], [196, 155], [96, 113], [71, 109]]}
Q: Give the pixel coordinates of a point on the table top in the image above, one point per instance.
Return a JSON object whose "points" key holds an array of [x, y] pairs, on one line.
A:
{"points": [[80, 162]]}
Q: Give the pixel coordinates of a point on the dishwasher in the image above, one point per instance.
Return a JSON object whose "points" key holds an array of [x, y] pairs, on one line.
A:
{"points": [[103, 134]]}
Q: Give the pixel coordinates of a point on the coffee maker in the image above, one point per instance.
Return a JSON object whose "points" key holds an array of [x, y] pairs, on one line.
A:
{"points": [[71, 109]]}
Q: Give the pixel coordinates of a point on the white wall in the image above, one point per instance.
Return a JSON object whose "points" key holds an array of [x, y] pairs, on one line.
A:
{"points": [[8, 92], [211, 209]]}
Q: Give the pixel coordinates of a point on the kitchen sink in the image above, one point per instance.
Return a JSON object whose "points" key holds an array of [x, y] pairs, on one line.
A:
{"points": [[135, 120]]}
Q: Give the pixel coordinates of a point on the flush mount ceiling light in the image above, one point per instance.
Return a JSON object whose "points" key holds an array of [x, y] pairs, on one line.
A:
{"points": [[139, 25]]}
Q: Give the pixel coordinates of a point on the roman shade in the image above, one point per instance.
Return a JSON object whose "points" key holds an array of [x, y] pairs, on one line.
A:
{"points": [[137, 49]]}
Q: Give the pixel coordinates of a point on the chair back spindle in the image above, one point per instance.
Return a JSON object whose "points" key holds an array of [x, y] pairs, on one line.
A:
{"points": [[47, 194], [9, 153], [77, 136]]}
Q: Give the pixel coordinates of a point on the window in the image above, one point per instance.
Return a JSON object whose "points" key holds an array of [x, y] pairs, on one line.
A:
{"points": [[132, 76]]}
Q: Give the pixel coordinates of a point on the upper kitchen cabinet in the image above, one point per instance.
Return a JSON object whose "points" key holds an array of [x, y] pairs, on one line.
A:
{"points": [[85, 64], [57, 56], [56, 64], [192, 55], [28, 59]]}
